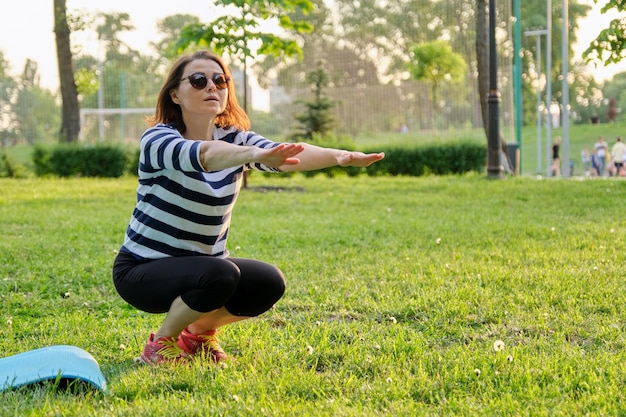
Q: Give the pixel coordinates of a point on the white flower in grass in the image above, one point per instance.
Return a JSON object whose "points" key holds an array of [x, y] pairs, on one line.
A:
{"points": [[377, 347], [389, 380], [122, 346], [438, 241], [318, 323], [612, 230], [477, 372], [393, 319], [310, 349], [10, 321], [237, 247], [235, 398], [553, 229], [498, 345], [509, 358]]}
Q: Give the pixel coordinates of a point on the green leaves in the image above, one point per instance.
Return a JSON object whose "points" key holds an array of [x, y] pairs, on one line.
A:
{"points": [[610, 44], [233, 34], [436, 62]]}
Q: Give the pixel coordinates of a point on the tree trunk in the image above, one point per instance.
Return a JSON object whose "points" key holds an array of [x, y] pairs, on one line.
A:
{"points": [[70, 126], [482, 58]]}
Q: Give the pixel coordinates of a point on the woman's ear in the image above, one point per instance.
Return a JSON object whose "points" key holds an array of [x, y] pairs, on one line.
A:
{"points": [[174, 96]]}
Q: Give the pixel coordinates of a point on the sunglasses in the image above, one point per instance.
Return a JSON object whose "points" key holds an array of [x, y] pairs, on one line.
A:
{"points": [[199, 80]]}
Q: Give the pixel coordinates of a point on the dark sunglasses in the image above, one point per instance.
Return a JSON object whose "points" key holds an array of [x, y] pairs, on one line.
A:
{"points": [[199, 80]]}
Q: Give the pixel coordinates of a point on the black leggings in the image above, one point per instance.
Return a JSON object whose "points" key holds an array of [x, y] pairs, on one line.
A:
{"points": [[244, 286]]}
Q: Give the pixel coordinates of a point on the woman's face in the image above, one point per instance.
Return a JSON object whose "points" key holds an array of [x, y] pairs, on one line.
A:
{"points": [[208, 101]]}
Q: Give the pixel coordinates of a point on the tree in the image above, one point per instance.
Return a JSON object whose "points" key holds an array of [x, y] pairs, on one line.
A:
{"points": [[317, 119], [70, 125], [436, 63]]}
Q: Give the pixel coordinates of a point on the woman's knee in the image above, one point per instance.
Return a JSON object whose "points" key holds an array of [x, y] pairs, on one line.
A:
{"points": [[223, 276], [261, 286]]}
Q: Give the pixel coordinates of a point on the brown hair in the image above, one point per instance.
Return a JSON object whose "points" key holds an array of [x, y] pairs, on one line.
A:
{"points": [[169, 112]]}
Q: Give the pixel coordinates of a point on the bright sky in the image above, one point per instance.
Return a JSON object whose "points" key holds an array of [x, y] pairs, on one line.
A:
{"points": [[26, 29]]}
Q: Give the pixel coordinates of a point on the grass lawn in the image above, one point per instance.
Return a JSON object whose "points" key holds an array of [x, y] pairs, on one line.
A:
{"points": [[406, 297]]}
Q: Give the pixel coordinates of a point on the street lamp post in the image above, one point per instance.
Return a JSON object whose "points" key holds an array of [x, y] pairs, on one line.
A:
{"points": [[494, 147]]}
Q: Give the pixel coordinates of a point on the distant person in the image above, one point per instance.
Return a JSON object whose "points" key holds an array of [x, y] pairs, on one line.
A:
{"points": [[174, 258], [618, 152], [602, 151], [555, 170]]}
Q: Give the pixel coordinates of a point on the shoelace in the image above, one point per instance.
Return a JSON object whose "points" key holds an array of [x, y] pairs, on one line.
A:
{"points": [[169, 349], [211, 342]]}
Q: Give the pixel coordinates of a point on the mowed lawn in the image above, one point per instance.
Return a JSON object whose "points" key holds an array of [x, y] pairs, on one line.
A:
{"points": [[406, 297]]}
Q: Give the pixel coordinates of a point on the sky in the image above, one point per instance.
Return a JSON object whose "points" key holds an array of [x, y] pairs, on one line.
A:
{"points": [[26, 30]]}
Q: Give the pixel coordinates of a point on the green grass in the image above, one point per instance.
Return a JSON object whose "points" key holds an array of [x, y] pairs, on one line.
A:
{"points": [[398, 289]]}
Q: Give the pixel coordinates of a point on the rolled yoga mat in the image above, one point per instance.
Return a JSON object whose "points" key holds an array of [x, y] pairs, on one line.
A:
{"points": [[50, 363]]}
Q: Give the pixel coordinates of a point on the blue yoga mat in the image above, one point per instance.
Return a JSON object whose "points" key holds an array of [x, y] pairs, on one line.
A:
{"points": [[50, 363]]}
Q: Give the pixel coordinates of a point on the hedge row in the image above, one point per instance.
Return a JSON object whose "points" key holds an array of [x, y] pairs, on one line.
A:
{"points": [[444, 159], [73, 160], [115, 161]]}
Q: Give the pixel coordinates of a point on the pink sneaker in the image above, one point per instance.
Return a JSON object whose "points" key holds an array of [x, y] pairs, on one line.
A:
{"points": [[193, 344], [164, 349]]}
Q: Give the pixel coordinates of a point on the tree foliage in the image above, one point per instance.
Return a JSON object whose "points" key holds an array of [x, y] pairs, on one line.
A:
{"points": [[435, 62], [235, 33], [610, 44]]}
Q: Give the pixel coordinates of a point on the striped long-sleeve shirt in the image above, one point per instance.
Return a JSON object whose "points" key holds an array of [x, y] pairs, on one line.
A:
{"points": [[181, 209]]}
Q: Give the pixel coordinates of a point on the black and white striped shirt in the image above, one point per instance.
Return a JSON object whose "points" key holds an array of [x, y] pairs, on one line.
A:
{"points": [[181, 209]]}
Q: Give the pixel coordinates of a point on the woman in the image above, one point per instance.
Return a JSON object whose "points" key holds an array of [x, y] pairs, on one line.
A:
{"points": [[174, 258]]}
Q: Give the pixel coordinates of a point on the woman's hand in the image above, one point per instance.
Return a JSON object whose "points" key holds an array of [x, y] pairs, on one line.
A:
{"points": [[283, 154], [358, 159]]}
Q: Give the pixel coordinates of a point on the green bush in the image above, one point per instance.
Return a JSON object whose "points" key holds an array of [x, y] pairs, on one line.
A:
{"points": [[11, 169], [115, 161], [41, 161], [73, 160], [132, 166], [445, 159]]}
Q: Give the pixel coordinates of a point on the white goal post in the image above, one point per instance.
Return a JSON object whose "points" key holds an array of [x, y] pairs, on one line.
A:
{"points": [[102, 122]]}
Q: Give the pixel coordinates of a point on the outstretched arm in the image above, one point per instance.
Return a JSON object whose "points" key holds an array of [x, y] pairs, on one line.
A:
{"points": [[216, 155], [314, 157]]}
